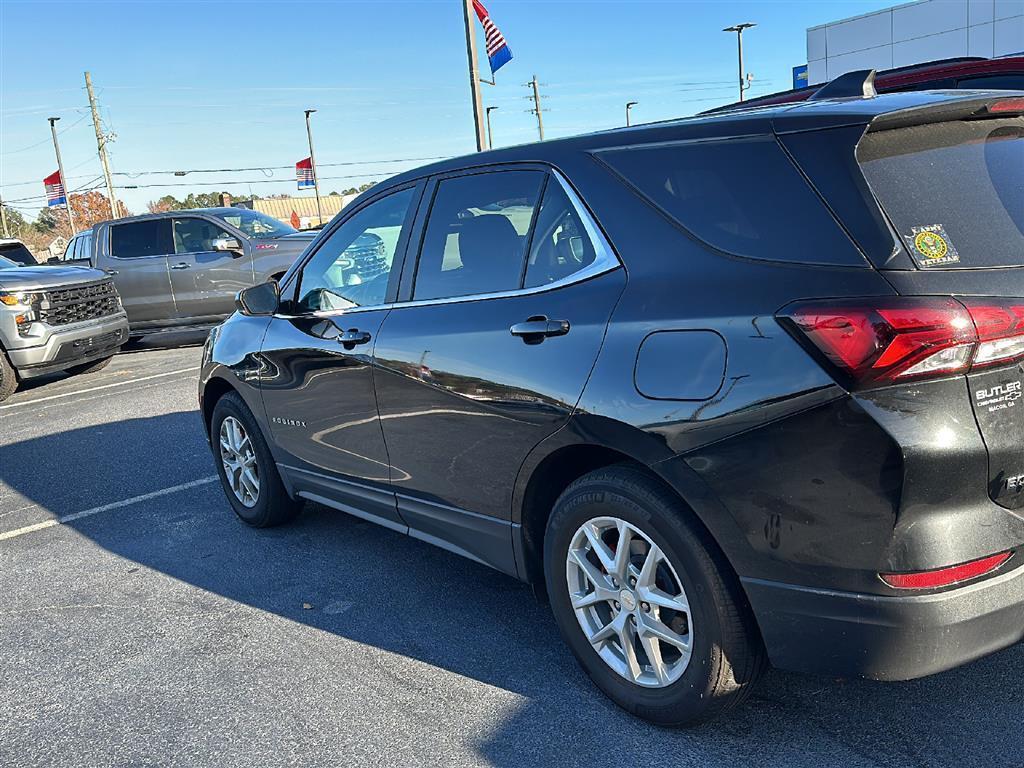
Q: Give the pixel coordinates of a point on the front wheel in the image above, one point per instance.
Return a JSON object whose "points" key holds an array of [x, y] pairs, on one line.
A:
{"points": [[246, 469], [645, 601]]}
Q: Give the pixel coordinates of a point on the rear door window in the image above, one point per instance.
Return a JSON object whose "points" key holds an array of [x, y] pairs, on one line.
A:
{"points": [[741, 196], [477, 234], [137, 239], [954, 191]]}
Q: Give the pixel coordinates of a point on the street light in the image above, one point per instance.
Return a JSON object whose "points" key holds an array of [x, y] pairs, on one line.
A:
{"points": [[738, 29], [490, 133], [629, 106]]}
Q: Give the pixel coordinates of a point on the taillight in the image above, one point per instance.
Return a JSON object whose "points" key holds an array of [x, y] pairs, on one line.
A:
{"points": [[1004, 106], [875, 342], [944, 577]]}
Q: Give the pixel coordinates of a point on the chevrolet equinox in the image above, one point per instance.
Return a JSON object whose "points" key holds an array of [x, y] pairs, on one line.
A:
{"points": [[728, 391]]}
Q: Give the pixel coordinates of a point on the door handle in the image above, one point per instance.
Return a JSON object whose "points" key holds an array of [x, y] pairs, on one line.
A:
{"points": [[110, 271], [182, 265], [353, 336], [538, 328]]}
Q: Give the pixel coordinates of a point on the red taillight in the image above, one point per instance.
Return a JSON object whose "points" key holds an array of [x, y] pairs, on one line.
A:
{"points": [[1006, 105], [882, 341], [943, 577]]}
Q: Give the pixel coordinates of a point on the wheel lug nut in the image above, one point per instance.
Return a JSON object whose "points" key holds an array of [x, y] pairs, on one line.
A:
{"points": [[646, 607], [616, 604]]}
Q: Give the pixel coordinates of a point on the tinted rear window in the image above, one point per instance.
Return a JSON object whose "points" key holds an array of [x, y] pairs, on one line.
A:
{"points": [[954, 191], [742, 196], [141, 238]]}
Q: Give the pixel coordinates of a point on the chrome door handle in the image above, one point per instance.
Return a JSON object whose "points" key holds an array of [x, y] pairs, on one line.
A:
{"points": [[538, 328], [110, 271], [182, 265], [353, 336]]}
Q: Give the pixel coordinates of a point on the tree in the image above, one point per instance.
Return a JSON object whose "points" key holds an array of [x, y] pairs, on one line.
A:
{"points": [[192, 200], [89, 208], [15, 221]]}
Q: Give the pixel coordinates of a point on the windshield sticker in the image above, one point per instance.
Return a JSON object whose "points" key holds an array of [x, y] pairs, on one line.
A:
{"points": [[931, 246]]}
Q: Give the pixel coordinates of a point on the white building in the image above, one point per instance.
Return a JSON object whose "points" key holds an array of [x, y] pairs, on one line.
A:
{"points": [[914, 33]]}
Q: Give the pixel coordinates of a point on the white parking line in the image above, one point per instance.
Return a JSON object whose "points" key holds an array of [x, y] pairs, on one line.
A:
{"points": [[105, 508], [102, 386]]}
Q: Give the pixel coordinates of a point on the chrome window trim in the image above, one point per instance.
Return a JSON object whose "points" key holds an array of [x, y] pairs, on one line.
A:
{"points": [[605, 260]]}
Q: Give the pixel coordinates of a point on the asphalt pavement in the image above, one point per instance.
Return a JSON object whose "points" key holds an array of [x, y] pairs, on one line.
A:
{"points": [[141, 624]]}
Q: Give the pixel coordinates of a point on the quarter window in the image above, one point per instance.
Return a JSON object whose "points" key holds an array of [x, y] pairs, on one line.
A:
{"points": [[560, 245], [478, 234], [352, 267], [742, 196], [151, 237], [196, 235]]}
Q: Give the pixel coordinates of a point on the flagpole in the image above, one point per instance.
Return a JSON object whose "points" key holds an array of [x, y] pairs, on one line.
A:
{"points": [[312, 165], [474, 76], [60, 170]]}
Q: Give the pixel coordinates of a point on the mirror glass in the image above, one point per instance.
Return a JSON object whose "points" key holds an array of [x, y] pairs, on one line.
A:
{"points": [[262, 299]]}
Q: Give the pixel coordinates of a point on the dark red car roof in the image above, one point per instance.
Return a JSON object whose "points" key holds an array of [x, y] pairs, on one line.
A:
{"points": [[902, 78]]}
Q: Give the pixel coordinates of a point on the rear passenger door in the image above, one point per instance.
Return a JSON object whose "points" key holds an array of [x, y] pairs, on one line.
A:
{"points": [[499, 322], [139, 253], [204, 281]]}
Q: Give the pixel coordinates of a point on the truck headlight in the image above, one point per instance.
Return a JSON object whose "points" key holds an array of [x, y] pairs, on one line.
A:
{"points": [[13, 299]]}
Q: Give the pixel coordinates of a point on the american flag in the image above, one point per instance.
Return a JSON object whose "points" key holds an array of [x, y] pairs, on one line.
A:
{"points": [[304, 173], [54, 189], [498, 51]]}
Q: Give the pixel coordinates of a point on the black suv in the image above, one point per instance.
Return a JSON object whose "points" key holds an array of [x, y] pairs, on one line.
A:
{"points": [[729, 390]]}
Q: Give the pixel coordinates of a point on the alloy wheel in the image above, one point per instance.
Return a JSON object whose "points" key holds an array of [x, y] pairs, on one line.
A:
{"points": [[239, 459], [629, 602]]}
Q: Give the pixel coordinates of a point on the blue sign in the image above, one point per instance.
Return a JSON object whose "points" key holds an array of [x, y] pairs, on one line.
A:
{"points": [[800, 76]]}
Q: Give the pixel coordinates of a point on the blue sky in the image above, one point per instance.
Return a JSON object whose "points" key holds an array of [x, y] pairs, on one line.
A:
{"points": [[217, 85]]}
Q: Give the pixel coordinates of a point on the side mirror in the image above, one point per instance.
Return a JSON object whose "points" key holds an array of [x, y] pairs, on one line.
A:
{"points": [[227, 245], [260, 300], [53, 260]]}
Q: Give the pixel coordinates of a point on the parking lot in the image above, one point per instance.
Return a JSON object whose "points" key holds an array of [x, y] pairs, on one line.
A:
{"points": [[149, 627]]}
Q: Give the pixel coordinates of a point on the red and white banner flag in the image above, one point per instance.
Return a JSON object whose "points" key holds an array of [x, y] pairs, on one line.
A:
{"points": [[304, 173], [55, 194]]}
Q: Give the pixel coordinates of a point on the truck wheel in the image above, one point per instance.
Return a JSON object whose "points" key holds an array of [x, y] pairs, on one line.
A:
{"points": [[8, 378], [247, 471], [646, 602], [93, 367]]}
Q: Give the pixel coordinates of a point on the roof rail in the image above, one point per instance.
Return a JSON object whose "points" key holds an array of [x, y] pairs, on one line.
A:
{"points": [[859, 85]]}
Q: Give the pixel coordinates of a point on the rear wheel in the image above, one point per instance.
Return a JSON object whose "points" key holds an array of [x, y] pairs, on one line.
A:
{"points": [[8, 378], [247, 471], [93, 367], [645, 601]]}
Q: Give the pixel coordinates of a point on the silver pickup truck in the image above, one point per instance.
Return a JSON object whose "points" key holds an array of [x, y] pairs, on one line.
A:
{"points": [[56, 319], [182, 269]]}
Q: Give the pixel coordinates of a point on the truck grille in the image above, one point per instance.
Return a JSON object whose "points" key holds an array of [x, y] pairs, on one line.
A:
{"points": [[63, 306], [368, 261]]}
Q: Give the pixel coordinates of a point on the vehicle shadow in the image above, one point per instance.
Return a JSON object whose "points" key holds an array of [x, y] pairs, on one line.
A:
{"points": [[391, 592]]}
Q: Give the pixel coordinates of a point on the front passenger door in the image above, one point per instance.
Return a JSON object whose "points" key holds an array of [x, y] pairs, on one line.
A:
{"points": [[204, 280], [319, 387]]}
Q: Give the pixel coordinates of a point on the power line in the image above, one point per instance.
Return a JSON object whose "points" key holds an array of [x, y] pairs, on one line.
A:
{"points": [[45, 141]]}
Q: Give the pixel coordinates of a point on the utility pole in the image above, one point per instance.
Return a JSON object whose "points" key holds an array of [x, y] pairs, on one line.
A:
{"points": [[536, 106], [744, 78], [101, 145], [474, 76], [3, 219], [60, 170], [312, 164], [490, 133], [629, 106]]}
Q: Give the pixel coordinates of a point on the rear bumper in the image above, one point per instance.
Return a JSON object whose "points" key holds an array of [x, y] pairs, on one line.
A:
{"points": [[887, 638], [69, 346]]}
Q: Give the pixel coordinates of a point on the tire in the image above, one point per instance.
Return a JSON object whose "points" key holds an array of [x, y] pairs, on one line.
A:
{"points": [[8, 377], [726, 654], [272, 504], [93, 367]]}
